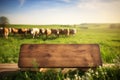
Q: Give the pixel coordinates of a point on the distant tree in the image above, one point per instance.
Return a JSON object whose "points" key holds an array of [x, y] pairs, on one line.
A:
{"points": [[4, 21]]}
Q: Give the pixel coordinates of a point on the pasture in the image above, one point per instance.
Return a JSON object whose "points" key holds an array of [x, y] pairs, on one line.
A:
{"points": [[107, 38]]}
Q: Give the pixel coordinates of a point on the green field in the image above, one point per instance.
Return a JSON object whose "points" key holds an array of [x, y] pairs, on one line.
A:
{"points": [[100, 73], [108, 39]]}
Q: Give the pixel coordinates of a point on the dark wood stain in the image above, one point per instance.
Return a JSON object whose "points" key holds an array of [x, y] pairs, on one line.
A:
{"points": [[59, 55]]}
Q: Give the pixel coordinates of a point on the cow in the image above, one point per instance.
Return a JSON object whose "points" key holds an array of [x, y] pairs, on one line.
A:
{"points": [[35, 32], [61, 31], [47, 32], [6, 32], [72, 31], [64, 32], [23, 31], [55, 32], [42, 31], [15, 30]]}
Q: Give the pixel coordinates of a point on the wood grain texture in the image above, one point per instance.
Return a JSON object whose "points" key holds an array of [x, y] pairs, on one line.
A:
{"points": [[8, 67], [59, 55]]}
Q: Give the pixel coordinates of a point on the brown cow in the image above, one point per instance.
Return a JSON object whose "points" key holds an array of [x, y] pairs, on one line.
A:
{"points": [[47, 32], [55, 32], [42, 31], [15, 30], [20, 31], [6, 32], [23, 31], [72, 31], [64, 32], [61, 31]]}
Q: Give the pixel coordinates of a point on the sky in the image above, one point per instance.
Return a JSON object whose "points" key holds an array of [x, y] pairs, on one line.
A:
{"points": [[60, 11]]}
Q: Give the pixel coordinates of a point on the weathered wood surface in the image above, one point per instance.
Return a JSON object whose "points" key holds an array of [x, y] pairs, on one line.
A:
{"points": [[59, 55]]}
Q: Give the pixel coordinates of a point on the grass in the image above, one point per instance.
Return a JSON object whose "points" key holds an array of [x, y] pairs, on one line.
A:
{"points": [[101, 73]]}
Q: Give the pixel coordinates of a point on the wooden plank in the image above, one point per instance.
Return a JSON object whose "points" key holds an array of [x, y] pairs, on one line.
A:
{"points": [[59, 55], [8, 67]]}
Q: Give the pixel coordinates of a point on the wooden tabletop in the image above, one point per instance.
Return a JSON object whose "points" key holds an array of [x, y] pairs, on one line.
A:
{"points": [[59, 55]]}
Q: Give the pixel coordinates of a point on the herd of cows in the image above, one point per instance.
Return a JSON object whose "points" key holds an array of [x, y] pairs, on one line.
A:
{"points": [[5, 32]]}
